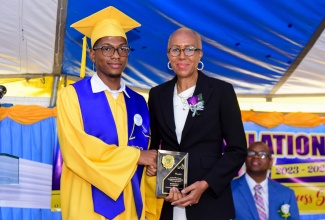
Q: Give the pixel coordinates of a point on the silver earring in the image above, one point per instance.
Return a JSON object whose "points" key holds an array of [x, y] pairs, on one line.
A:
{"points": [[169, 66], [201, 66]]}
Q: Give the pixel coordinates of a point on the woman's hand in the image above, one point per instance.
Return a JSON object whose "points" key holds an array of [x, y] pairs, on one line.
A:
{"points": [[192, 194], [151, 171], [174, 195]]}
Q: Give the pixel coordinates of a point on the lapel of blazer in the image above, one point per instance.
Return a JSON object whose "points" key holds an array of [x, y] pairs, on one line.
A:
{"points": [[166, 103], [274, 200], [248, 197], [205, 88]]}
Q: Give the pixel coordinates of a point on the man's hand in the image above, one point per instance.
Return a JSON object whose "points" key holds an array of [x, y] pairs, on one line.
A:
{"points": [[148, 158]]}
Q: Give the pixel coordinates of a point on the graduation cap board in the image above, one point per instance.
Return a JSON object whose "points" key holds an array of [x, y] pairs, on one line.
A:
{"points": [[107, 22]]}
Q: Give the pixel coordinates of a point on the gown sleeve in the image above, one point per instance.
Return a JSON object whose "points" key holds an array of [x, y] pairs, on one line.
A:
{"points": [[107, 167]]}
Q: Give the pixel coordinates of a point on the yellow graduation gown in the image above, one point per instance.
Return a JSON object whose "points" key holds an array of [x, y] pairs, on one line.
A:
{"points": [[89, 161]]}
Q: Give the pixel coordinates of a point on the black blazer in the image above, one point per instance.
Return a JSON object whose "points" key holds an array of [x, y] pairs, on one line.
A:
{"points": [[202, 138]]}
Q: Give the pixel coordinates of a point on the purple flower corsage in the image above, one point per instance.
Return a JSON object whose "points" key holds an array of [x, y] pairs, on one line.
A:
{"points": [[196, 104]]}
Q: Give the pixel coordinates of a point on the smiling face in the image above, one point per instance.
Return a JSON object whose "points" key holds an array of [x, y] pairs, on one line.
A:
{"points": [[185, 66], [109, 67], [257, 167]]}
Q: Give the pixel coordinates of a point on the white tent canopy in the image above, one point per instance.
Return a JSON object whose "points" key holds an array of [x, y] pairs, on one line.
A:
{"points": [[36, 41]]}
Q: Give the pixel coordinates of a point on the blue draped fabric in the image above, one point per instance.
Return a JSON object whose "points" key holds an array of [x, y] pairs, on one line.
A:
{"points": [[28, 214], [251, 43], [36, 142], [31, 142]]}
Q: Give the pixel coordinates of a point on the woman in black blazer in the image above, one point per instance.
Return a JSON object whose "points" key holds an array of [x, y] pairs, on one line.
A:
{"points": [[201, 128]]}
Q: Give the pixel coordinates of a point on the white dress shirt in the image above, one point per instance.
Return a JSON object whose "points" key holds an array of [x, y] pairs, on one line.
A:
{"points": [[97, 85], [181, 109]]}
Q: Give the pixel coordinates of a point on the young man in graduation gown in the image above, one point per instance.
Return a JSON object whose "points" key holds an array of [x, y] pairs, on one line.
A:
{"points": [[103, 129]]}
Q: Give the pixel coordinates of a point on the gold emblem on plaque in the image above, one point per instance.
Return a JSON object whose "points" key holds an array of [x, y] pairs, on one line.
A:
{"points": [[168, 161]]}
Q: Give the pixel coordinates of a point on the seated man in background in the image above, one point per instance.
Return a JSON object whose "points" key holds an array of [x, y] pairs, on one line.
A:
{"points": [[256, 196]]}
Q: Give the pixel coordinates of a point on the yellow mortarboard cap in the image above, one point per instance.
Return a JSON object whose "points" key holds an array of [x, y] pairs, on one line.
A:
{"points": [[106, 22]]}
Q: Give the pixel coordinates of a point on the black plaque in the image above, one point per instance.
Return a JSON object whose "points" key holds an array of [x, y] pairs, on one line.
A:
{"points": [[171, 171]]}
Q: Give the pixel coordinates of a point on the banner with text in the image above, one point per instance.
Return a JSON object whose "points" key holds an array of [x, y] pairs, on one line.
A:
{"points": [[299, 161]]}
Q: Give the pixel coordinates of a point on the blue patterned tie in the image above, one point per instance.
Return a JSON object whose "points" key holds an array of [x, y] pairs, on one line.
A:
{"points": [[259, 202]]}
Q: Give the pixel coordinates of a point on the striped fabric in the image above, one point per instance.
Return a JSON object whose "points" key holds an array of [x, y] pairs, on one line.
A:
{"points": [[259, 203]]}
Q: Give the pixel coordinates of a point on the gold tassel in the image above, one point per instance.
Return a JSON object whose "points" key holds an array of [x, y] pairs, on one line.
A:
{"points": [[83, 57]]}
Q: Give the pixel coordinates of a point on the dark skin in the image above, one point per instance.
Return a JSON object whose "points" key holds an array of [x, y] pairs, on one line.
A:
{"points": [[109, 70], [186, 70], [185, 67], [256, 167]]}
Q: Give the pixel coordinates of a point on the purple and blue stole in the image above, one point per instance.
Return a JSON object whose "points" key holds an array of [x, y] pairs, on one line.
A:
{"points": [[99, 122]]}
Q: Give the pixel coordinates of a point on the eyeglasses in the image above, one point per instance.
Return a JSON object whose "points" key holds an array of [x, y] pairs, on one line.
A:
{"points": [[188, 51], [109, 51], [261, 154]]}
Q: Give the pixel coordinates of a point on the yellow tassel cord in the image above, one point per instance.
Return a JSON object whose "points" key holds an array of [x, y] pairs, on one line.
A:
{"points": [[83, 57]]}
